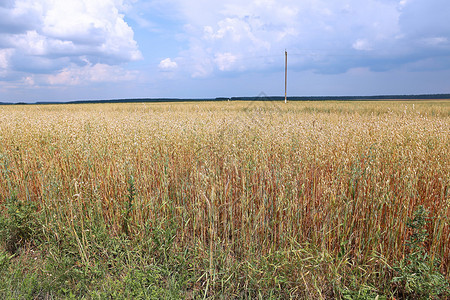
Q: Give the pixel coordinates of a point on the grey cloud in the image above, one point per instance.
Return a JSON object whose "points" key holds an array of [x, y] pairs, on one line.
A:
{"points": [[421, 19], [44, 42], [416, 36], [7, 3], [92, 37], [334, 37], [14, 24], [4, 41], [37, 64]]}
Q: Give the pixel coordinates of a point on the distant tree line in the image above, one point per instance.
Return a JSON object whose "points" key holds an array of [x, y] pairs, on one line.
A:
{"points": [[347, 98], [257, 98]]}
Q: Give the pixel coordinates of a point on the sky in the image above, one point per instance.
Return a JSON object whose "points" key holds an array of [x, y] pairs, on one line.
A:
{"points": [[61, 50]]}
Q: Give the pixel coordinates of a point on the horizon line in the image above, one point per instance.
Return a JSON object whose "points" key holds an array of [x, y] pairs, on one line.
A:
{"points": [[439, 96]]}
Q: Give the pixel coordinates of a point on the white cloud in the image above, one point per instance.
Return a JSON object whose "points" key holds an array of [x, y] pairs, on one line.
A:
{"points": [[167, 65], [436, 41], [5, 54], [75, 75], [96, 25], [254, 33], [29, 81], [50, 35], [233, 31], [321, 35], [362, 44], [402, 3], [225, 61]]}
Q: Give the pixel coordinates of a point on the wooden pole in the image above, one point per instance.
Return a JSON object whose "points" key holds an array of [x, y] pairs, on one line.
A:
{"points": [[285, 76]]}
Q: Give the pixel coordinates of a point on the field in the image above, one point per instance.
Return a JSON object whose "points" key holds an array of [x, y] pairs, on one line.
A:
{"points": [[317, 200]]}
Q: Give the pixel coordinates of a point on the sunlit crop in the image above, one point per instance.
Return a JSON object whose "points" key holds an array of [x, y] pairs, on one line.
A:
{"points": [[260, 194]]}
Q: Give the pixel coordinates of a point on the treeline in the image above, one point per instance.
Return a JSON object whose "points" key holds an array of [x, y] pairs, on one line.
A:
{"points": [[348, 98], [255, 98]]}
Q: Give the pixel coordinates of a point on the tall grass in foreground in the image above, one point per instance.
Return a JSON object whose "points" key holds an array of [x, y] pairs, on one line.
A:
{"points": [[251, 199]]}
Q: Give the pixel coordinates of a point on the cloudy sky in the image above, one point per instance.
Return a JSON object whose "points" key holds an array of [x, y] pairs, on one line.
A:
{"points": [[109, 49]]}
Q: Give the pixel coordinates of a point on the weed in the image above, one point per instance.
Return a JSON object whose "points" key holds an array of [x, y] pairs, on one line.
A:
{"points": [[4, 260], [126, 214], [19, 225], [418, 273]]}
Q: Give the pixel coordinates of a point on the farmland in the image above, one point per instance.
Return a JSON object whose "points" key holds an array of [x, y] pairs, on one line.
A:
{"points": [[234, 199]]}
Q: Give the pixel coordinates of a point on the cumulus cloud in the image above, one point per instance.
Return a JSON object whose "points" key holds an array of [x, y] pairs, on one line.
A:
{"points": [[225, 61], [5, 54], [75, 75], [323, 36], [17, 19], [167, 65], [362, 44], [52, 36]]}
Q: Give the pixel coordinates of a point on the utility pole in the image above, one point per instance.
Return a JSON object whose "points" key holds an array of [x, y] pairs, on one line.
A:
{"points": [[285, 76]]}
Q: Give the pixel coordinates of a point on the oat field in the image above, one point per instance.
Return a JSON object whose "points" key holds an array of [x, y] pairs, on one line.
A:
{"points": [[225, 199]]}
